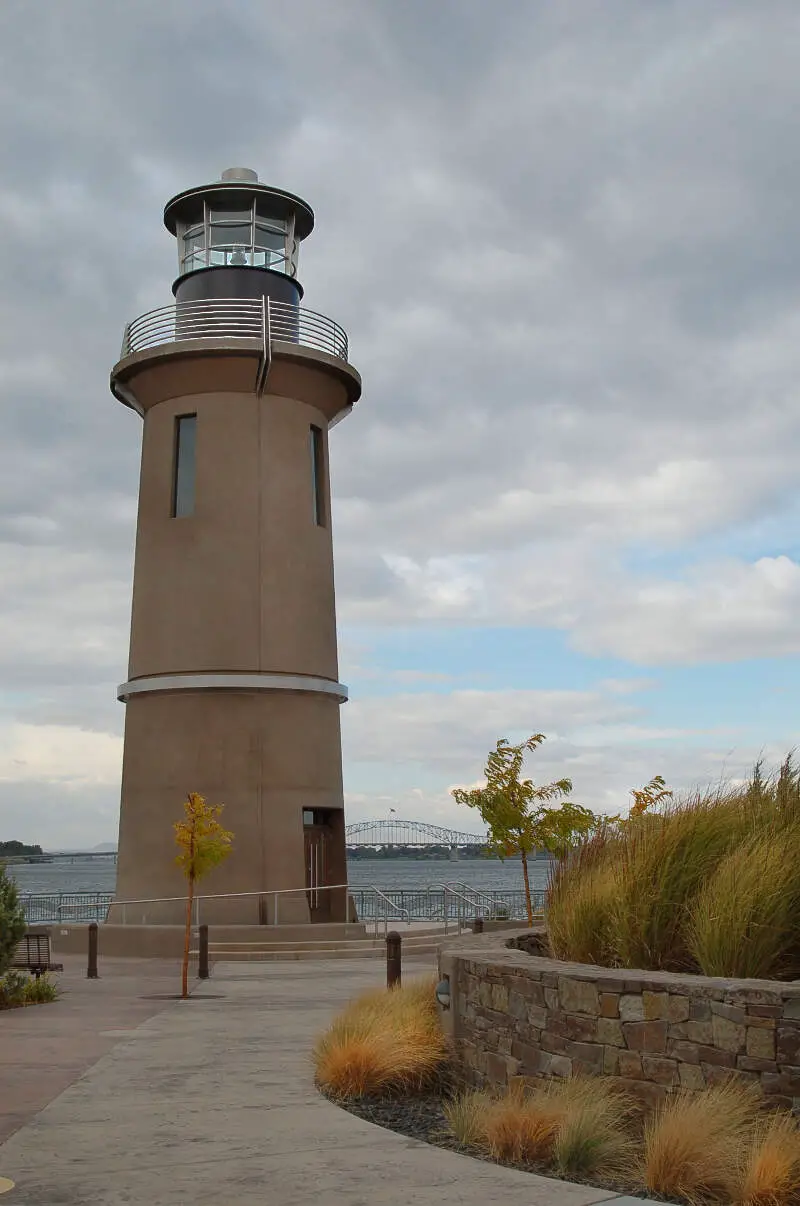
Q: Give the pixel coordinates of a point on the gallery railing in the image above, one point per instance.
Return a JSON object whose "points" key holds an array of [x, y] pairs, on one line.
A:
{"points": [[235, 318]]}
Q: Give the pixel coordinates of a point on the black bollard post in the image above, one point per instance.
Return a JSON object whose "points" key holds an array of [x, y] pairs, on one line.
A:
{"points": [[91, 970], [202, 968], [477, 925], [393, 959]]}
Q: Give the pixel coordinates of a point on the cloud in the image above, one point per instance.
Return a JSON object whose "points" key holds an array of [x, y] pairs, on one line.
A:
{"points": [[565, 247]]}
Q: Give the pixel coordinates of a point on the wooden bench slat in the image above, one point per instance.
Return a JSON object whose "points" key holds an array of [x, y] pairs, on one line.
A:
{"points": [[33, 953]]}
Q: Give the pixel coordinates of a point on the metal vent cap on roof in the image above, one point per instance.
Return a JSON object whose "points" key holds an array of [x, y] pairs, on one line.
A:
{"points": [[240, 175]]}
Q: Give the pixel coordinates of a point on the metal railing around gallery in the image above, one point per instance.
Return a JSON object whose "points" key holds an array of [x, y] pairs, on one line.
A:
{"points": [[260, 319]]}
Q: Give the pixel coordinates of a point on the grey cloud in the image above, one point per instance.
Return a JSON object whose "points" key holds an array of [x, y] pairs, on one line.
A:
{"points": [[564, 243]]}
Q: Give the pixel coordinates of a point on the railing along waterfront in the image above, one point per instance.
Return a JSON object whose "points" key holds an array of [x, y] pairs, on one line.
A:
{"points": [[41, 907], [441, 903], [235, 318]]}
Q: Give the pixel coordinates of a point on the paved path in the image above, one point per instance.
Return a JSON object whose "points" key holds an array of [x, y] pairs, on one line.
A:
{"points": [[210, 1102], [44, 1049]]}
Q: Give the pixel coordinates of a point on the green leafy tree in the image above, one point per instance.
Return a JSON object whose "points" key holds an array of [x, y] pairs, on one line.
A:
{"points": [[203, 844], [643, 798], [516, 811], [12, 919]]}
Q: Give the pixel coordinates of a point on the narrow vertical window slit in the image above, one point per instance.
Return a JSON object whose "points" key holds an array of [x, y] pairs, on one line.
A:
{"points": [[317, 451], [183, 474]]}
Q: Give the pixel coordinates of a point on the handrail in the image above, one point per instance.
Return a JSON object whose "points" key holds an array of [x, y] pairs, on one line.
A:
{"points": [[431, 902], [274, 893], [403, 912], [235, 318], [476, 892], [459, 896]]}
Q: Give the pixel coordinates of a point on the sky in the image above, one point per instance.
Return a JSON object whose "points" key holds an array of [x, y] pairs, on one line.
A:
{"points": [[565, 245]]}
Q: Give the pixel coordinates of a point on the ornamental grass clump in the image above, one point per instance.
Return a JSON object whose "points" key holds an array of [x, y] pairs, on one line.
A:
{"points": [[384, 1042], [521, 1128], [771, 1170], [594, 1138], [579, 900], [709, 883], [743, 920], [578, 1126], [661, 863], [466, 1116], [693, 1143]]}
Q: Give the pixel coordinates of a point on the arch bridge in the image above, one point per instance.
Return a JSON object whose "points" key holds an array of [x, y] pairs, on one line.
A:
{"points": [[408, 833]]}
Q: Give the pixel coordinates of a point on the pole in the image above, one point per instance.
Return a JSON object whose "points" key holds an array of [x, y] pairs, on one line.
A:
{"points": [[202, 968], [91, 971], [393, 959]]}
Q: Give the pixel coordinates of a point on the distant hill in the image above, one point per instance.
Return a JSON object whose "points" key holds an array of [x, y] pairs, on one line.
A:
{"points": [[105, 846], [18, 850]]}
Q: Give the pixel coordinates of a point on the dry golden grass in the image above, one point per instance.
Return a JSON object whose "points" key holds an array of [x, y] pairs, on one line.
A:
{"points": [[693, 1143], [710, 882], [742, 922], [771, 1172], [383, 1042], [521, 1128], [579, 900], [466, 1116], [580, 1125], [594, 1139], [714, 1146]]}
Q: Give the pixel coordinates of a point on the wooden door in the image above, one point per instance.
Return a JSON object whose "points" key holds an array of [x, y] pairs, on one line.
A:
{"points": [[317, 840]]}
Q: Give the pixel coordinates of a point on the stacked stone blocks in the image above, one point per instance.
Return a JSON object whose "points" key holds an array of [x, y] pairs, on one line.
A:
{"points": [[518, 1015]]}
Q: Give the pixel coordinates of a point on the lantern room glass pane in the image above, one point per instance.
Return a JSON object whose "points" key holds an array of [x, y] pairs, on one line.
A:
{"points": [[231, 236], [266, 220], [231, 215]]}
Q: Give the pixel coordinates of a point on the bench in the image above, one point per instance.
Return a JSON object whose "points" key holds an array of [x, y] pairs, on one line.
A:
{"points": [[33, 953]]}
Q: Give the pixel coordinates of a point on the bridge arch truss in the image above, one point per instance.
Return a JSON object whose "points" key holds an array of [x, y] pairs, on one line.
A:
{"points": [[408, 833]]}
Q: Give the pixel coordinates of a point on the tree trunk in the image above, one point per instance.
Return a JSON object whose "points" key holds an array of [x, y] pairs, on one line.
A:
{"points": [[528, 904], [186, 941]]}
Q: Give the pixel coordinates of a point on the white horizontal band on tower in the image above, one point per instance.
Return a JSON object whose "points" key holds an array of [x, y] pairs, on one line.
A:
{"points": [[232, 682]]}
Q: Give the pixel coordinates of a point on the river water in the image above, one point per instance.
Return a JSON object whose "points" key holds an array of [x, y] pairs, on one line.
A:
{"points": [[99, 875]]}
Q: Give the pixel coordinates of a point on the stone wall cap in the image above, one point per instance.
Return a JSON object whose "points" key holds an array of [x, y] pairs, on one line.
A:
{"points": [[493, 948]]}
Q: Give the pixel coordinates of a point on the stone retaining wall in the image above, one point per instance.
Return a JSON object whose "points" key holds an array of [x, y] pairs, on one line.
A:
{"points": [[517, 1015]]}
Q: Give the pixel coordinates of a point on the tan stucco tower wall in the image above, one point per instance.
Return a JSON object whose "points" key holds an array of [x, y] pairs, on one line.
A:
{"points": [[232, 684]]}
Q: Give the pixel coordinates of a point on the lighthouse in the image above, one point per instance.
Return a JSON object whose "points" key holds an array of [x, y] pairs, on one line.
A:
{"points": [[233, 688]]}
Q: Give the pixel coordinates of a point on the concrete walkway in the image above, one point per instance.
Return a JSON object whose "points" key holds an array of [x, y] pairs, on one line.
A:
{"points": [[211, 1102], [45, 1049]]}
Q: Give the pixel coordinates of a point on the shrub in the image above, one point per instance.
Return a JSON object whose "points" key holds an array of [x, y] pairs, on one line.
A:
{"points": [[383, 1042], [41, 990], [693, 1143], [17, 989], [771, 1172], [12, 919]]}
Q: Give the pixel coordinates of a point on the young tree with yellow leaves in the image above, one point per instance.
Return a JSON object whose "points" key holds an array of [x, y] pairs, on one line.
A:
{"points": [[514, 809], [203, 845]]}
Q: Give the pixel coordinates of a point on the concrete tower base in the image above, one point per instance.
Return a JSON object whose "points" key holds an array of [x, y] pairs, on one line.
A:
{"points": [[269, 757]]}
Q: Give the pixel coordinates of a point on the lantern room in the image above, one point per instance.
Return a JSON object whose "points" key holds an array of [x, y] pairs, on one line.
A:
{"points": [[238, 238]]}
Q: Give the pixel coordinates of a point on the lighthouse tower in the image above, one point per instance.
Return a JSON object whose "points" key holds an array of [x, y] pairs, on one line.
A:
{"points": [[232, 687]]}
